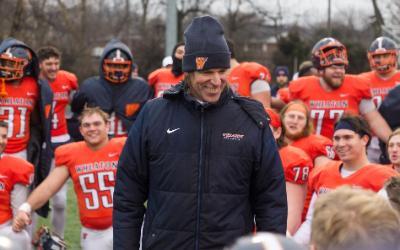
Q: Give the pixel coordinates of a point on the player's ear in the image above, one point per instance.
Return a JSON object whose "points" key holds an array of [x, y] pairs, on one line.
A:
{"points": [[365, 139]]}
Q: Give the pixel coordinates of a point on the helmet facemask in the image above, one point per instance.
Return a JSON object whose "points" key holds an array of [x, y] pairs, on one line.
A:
{"points": [[117, 67], [332, 55], [383, 61], [13, 62]]}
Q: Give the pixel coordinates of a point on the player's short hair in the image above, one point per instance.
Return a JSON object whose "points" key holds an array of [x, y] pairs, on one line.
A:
{"points": [[88, 111], [392, 187], [309, 128], [354, 219], [359, 125], [47, 52], [4, 124]]}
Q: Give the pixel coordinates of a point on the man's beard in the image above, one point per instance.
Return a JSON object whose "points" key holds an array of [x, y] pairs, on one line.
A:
{"points": [[333, 84], [294, 137]]}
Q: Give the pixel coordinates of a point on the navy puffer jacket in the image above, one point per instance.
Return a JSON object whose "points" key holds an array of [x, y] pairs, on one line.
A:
{"points": [[206, 170]]}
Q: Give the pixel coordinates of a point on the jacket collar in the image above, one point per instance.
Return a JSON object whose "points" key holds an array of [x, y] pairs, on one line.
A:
{"points": [[181, 90]]}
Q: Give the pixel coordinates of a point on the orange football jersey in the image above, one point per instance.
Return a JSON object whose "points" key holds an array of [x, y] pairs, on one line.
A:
{"points": [[93, 174], [327, 107], [380, 87], [62, 87], [296, 164], [163, 79], [284, 95], [13, 171], [327, 178], [315, 145], [16, 108], [243, 75]]}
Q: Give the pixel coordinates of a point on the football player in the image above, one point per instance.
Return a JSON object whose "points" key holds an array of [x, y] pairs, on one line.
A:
{"points": [[63, 84], [164, 78], [92, 165], [350, 140], [249, 79], [297, 166], [393, 148], [25, 103], [297, 131], [382, 57], [332, 93], [16, 175], [114, 90]]}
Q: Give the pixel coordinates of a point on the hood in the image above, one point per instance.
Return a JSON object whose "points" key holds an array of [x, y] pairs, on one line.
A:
{"points": [[33, 70], [113, 45]]}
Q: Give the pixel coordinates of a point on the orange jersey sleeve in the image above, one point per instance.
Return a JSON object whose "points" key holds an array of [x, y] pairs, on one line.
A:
{"points": [[163, 79], [16, 108], [243, 75], [380, 87], [371, 177], [326, 107], [12, 171], [315, 145], [296, 164], [284, 95], [62, 87], [93, 174]]}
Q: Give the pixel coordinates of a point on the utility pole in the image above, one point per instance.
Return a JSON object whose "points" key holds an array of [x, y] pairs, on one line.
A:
{"points": [[329, 19], [171, 27]]}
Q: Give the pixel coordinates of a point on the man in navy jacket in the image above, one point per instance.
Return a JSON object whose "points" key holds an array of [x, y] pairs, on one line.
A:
{"points": [[113, 90], [203, 158]]}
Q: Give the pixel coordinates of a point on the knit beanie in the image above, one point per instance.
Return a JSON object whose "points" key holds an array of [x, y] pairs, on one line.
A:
{"points": [[281, 70], [205, 45]]}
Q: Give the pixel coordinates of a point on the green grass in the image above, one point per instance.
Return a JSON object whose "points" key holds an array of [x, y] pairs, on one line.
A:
{"points": [[73, 224]]}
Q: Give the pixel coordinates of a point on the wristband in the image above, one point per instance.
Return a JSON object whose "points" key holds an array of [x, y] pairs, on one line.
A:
{"points": [[25, 207]]}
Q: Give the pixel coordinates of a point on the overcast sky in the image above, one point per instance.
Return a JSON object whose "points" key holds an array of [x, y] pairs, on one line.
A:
{"points": [[310, 11]]}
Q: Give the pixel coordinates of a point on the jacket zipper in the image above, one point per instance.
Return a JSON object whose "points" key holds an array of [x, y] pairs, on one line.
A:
{"points": [[199, 181]]}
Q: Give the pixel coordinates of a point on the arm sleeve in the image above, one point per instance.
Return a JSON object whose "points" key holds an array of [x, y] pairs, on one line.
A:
{"points": [[269, 188], [366, 106], [131, 189], [19, 194], [302, 236], [259, 86]]}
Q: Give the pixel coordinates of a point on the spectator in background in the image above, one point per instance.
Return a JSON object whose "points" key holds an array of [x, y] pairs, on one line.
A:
{"points": [[354, 219], [114, 90], [63, 84], [164, 78], [281, 79], [167, 62], [249, 79]]}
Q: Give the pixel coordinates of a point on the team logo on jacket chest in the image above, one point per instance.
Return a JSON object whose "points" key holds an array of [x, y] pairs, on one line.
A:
{"points": [[232, 137]]}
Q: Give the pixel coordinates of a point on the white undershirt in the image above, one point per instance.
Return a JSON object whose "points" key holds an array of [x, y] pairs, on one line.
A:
{"points": [[259, 86]]}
